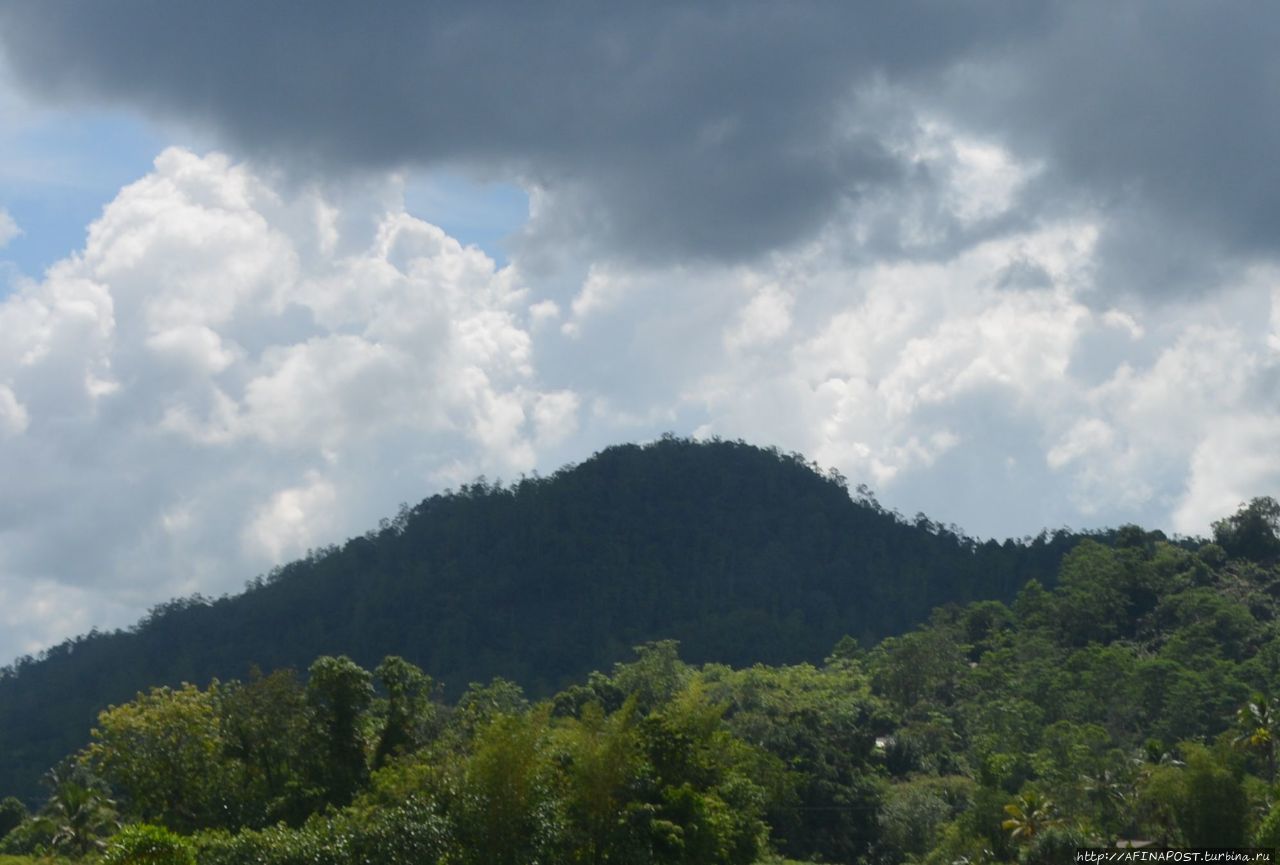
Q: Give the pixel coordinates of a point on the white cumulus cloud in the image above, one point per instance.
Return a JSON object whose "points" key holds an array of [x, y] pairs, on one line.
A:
{"points": [[229, 373], [236, 368]]}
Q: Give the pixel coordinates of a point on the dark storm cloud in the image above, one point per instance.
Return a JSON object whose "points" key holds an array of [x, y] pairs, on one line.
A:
{"points": [[1178, 103], [709, 129], [674, 129], [1163, 115]]}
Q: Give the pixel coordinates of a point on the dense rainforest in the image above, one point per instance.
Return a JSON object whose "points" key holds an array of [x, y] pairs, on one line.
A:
{"points": [[1137, 701], [744, 555]]}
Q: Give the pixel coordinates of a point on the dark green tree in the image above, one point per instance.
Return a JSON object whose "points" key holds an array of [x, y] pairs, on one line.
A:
{"points": [[1252, 532], [12, 813], [338, 693], [1201, 803], [410, 715], [79, 813], [822, 725], [265, 727], [481, 704]]}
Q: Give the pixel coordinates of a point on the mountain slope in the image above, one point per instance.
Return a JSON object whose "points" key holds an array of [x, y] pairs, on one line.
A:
{"points": [[741, 553]]}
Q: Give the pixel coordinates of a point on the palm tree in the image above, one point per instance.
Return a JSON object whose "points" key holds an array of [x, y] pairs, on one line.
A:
{"points": [[1115, 792], [78, 812], [1029, 815], [1259, 725]]}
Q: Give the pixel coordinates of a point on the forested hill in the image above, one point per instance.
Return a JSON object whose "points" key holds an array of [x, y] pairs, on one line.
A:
{"points": [[740, 553]]}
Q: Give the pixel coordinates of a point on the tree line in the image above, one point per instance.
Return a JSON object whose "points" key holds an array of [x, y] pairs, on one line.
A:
{"points": [[1136, 700], [742, 554]]}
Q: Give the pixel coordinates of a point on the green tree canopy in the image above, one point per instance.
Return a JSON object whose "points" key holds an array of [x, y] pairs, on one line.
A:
{"points": [[163, 752], [338, 692], [1252, 532]]}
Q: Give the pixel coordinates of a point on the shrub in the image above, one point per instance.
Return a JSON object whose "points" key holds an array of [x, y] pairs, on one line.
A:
{"points": [[411, 834], [144, 844]]}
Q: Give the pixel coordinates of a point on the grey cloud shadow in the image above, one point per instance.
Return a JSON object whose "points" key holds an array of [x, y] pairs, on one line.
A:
{"points": [[712, 131]]}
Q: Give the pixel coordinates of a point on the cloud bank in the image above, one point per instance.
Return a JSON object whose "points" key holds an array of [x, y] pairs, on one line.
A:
{"points": [[717, 131], [225, 376], [234, 369]]}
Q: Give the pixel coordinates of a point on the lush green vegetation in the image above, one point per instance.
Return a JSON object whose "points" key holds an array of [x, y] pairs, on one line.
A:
{"points": [[1139, 698], [743, 555]]}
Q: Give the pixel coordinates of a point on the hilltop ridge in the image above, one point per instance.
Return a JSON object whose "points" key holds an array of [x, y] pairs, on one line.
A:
{"points": [[743, 554]]}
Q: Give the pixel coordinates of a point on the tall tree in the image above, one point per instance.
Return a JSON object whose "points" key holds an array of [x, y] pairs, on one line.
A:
{"points": [[1258, 724], [409, 713], [505, 808], [79, 812], [264, 724], [605, 780], [163, 752], [1253, 531], [338, 692]]}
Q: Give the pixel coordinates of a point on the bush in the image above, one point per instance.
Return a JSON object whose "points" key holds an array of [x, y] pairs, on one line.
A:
{"points": [[144, 844], [1057, 845], [411, 834], [12, 813], [30, 838]]}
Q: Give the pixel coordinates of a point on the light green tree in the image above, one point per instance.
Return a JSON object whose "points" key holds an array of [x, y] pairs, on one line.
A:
{"points": [[144, 844], [163, 753], [503, 804], [605, 778], [1029, 815]]}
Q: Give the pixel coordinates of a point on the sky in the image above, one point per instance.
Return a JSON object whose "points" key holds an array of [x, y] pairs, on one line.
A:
{"points": [[268, 270]]}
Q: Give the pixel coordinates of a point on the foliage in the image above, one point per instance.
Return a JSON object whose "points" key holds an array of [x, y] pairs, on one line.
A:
{"points": [[821, 724], [1201, 803], [1029, 816], [409, 833], [604, 779], [1056, 845], [481, 704], [338, 692], [915, 813], [742, 554], [265, 730], [1252, 532], [1132, 698], [410, 717], [1258, 722], [12, 813], [144, 844], [502, 800], [162, 752], [78, 814], [31, 837]]}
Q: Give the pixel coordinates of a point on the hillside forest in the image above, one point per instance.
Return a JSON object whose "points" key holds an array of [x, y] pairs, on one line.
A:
{"points": [[1132, 696], [743, 555]]}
